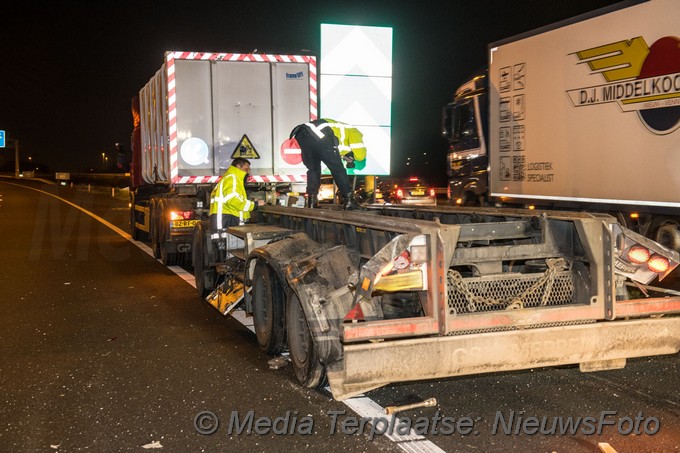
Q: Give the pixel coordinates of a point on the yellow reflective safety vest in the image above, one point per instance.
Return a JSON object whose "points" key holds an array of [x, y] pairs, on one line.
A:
{"points": [[349, 137], [229, 195]]}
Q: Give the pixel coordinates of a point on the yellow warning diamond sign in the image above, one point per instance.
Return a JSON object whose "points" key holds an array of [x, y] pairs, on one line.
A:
{"points": [[245, 149]]}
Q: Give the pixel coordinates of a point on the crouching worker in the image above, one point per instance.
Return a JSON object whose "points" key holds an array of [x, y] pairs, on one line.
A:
{"points": [[330, 142], [229, 205]]}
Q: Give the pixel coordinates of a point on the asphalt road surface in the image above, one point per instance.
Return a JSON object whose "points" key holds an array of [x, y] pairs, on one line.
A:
{"points": [[102, 348]]}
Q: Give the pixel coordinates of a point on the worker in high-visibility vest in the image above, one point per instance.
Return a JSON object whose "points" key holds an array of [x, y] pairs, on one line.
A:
{"points": [[229, 205], [329, 141]]}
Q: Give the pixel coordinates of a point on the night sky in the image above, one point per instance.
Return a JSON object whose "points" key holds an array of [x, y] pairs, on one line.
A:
{"points": [[68, 70]]}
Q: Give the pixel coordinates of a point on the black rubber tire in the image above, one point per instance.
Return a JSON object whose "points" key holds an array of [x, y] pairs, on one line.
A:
{"points": [[269, 300], [472, 199], [162, 228], [666, 231], [135, 233], [167, 258], [204, 276], [304, 357], [153, 228]]}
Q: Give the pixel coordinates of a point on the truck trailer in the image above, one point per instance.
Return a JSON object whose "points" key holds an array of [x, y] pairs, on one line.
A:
{"points": [[583, 115], [198, 112], [360, 299]]}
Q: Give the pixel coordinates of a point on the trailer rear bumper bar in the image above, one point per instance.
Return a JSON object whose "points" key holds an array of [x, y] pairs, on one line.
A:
{"points": [[595, 346]]}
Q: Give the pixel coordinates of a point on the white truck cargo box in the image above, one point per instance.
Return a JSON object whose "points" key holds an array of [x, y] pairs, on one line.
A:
{"points": [[590, 110], [201, 110]]}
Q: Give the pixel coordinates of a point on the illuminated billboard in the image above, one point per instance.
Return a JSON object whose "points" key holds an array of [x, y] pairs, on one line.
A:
{"points": [[355, 87]]}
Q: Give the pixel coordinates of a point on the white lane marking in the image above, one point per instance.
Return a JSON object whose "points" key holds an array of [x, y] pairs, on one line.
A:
{"points": [[411, 442], [240, 316], [91, 214], [183, 274], [363, 406]]}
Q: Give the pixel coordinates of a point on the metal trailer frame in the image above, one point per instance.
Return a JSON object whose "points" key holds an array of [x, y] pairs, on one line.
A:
{"points": [[595, 327]]}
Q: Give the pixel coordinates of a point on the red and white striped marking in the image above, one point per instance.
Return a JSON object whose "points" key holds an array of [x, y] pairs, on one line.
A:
{"points": [[196, 179], [170, 58], [278, 178], [257, 178]]}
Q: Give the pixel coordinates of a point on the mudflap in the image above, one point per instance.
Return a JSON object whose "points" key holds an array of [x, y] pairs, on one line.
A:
{"points": [[321, 284]]}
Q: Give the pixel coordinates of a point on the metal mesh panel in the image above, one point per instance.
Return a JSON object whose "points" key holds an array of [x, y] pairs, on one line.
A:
{"points": [[496, 293]]}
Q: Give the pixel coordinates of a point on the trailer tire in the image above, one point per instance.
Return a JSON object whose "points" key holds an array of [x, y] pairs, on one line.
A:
{"points": [[200, 259], [161, 228], [167, 258], [304, 356], [269, 300], [666, 231], [136, 233], [153, 228]]}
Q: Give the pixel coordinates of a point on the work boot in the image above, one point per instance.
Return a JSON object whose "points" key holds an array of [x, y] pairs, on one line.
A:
{"points": [[350, 202], [312, 201]]}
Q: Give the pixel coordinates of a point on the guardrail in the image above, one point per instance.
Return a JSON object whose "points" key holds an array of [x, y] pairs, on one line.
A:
{"points": [[117, 180]]}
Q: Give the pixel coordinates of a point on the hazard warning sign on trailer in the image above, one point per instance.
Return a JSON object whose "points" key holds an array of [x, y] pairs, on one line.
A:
{"points": [[245, 149]]}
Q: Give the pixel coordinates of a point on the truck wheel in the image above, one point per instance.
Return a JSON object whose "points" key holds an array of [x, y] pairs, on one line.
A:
{"points": [[153, 229], [200, 258], [309, 371], [268, 303], [666, 231], [167, 258], [136, 233], [472, 199]]}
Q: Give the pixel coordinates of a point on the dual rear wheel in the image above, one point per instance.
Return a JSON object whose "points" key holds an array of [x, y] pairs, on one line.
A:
{"points": [[280, 321], [160, 233], [200, 259]]}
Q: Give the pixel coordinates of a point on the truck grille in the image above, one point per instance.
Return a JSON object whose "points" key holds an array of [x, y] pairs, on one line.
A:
{"points": [[482, 294]]}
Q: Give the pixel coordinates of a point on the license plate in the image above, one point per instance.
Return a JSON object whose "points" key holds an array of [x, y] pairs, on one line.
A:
{"points": [[184, 223], [378, 196], [418, 193]]}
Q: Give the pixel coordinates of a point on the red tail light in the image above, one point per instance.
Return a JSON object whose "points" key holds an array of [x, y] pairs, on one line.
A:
{"points": [[658, 264], [400, 193], [638, 254], [432, 192], [402, 261], [181, 215]]}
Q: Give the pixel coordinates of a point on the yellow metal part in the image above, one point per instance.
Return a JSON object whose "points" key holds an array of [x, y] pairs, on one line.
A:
{"points": [[225, 299], [407, 281]]}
